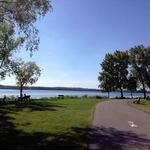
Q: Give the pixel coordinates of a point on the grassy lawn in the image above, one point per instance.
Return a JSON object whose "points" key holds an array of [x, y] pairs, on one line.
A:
{"points": [[46, 124], [144, 105]]}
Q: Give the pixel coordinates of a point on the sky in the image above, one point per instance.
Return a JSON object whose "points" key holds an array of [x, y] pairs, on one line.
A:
{"points": [[76, 35]]}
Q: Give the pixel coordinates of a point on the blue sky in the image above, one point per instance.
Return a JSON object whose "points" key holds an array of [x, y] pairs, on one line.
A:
{"points": [[77, 34]]}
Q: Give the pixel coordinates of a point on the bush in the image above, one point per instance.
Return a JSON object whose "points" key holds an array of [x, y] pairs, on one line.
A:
{"points": [[85, 96]]}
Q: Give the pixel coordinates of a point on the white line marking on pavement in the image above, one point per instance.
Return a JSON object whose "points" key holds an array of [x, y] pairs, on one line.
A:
{"points": [[131, 124]]}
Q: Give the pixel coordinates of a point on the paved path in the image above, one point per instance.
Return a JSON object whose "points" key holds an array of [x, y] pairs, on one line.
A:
{"points": [[117, 126]]}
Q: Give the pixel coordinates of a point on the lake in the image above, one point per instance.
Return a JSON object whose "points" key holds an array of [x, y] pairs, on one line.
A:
{"points": [[54, 93]]}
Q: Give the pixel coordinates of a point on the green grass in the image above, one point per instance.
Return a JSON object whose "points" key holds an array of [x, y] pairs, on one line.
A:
{"points": [[143, 106], [46, 124]]}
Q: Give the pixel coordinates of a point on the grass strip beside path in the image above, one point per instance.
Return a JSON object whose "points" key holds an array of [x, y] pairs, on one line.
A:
{"points": [[143, 106], [46, 124]]}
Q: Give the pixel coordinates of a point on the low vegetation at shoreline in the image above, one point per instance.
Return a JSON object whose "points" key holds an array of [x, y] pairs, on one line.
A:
{"points": [[47, 124], [144, 105]]}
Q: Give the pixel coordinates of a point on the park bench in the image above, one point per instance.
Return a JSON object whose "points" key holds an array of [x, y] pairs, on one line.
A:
{"points": [[137, 101], [61, 96], [3, 100], [24, 98], [27, 97]]}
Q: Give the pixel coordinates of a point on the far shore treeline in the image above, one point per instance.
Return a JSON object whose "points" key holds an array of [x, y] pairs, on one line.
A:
{"points": [[48, 88], [126, 70]]}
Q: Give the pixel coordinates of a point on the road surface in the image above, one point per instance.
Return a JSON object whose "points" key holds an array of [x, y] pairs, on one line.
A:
{"points": [[117, 126]]}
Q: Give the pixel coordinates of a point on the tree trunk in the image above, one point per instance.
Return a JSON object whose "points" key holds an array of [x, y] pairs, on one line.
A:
{"points": [[142, 82], [144, 91], [131, 94], [21, 89], [121, 91], [108, 93]]}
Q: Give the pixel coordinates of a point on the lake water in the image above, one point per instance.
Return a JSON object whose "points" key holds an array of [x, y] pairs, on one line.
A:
{"points": [[54, 93]]}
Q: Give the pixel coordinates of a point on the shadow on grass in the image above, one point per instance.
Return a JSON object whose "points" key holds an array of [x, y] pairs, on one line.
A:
{"points": [[15, 106], [113, 139], [13, 139]]}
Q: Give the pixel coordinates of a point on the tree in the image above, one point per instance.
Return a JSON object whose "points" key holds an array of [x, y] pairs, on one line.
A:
{"points": [[26, 73], [116, 67], [147, 64], [105, 76], [105, 82], [21, 15], [131, 84], [8, 45], [140, 63], [121, 61]]}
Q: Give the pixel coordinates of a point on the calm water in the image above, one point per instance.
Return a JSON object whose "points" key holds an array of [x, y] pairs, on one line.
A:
{"points": [[53, 93]]}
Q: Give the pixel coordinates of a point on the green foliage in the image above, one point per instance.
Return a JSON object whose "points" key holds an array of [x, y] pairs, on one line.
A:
{"points": [[21, 15], [140, 62], [8, 45], [114, 71], [26, 73], [17, 19], [126, 70], [131, 83], [105, 76]]}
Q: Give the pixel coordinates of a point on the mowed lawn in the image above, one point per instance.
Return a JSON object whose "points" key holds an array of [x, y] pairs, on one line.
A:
{"points": [[46, 124], [143, 106]]}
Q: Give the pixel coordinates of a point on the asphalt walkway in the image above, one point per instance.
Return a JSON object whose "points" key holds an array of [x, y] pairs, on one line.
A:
{"points": [[117, 126]]}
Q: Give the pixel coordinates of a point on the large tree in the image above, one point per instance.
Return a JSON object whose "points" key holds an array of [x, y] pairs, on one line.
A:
{"points": [[106, 84], [121, 61], [115, 66], [21, 15], [147, 64], [105, 76], [8, 45], [26, 73], [140, 62]]}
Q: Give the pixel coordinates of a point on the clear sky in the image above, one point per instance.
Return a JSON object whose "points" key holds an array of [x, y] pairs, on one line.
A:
{"points": [[77, 34]]}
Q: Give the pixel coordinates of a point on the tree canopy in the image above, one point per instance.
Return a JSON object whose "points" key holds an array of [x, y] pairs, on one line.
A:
{"points": [[131, 84], [114, 71], [21, 15], [17, 27], [26, 73], [105, 77], [8, 45], [140, 62], [126, 70]]}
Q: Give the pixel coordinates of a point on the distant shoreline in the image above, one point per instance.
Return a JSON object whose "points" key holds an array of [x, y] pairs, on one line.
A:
{"points": [[64, 88], [49, 88]]}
